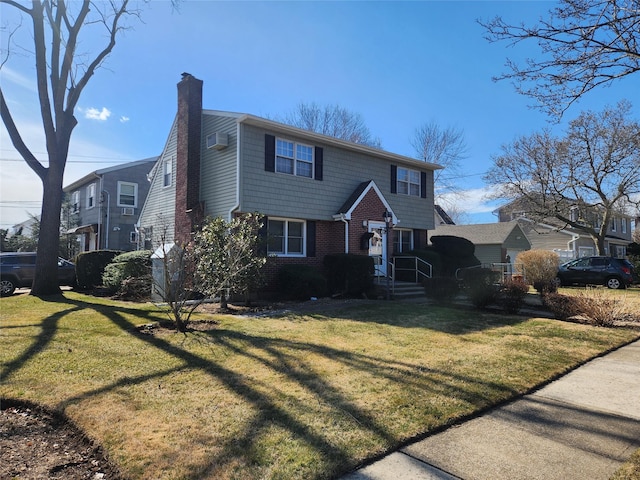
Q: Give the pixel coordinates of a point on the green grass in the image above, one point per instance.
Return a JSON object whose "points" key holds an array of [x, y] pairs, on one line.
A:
{"points": [[306, 397]]}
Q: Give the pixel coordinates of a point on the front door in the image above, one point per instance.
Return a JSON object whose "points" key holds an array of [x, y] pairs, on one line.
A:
{"points": [[378, 247]]}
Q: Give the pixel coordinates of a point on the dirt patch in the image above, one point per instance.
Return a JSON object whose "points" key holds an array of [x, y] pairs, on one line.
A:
{"points": [[36, 443]]}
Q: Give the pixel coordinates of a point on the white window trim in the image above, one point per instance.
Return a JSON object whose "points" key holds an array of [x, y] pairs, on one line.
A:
{"points": [[400, 243], [623, 225], [75, 201], [286, 236], [295, 159], [408, 182], [613, 224], [90, 203], [135, 194], [167, 162]]}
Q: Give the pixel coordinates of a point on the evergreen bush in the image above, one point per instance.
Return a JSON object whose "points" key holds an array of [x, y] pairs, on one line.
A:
{"points": [[349, 274], [301, 282], [90, 267]]}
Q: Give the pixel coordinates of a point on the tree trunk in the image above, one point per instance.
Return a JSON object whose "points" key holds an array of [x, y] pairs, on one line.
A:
{"points": [[45, 281]]}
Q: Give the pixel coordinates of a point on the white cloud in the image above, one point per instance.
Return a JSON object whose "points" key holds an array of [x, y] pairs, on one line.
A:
{"points": [[124, 119], [95, 114]]}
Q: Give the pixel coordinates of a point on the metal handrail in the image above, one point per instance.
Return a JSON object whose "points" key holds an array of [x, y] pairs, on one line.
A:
{"points": [[417, 261]]}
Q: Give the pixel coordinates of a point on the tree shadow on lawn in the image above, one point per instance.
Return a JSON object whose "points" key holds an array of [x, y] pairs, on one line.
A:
{"points": [[454, 319], [287, 359]]}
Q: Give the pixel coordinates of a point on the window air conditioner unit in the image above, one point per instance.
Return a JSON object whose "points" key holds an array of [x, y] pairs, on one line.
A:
{"points": [[127, 211], [217, 140]]}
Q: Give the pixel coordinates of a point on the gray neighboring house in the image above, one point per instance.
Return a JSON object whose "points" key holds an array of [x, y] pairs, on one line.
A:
{"points": [[494, 241], [106, 203], [320, 195], [570, 243]]}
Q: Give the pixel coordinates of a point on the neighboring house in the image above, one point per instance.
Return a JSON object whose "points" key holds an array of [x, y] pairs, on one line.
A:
{"points": [[568, 242], [25, 228], [320, 195], [106, 204], [495, 242], [442, 217]]}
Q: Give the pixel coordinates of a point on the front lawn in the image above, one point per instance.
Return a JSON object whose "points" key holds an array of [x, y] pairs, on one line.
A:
{"points": [[290, 397]]}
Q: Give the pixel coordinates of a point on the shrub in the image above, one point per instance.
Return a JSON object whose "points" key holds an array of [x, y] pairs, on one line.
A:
{"points": [[348, 273], [301, 282], [90, 267], [540, 268], [512, 295], [441, 289], [601, 310], [562, 306], [128, 265], [480, 286], [135, 288]]}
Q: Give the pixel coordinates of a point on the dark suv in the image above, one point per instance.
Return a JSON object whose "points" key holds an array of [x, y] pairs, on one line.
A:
{"points": [[17, 270], [608, 271]]}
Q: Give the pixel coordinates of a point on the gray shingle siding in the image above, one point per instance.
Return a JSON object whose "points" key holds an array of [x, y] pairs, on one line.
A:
{"points": [[343, 170], [218, 178], [161, 201]]}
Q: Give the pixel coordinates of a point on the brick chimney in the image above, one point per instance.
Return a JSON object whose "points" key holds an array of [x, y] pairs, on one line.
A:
{"points": [[189, 211]]}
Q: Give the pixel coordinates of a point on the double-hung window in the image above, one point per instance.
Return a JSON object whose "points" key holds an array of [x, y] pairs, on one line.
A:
{"points": [[167, 172], [623, 225], [294, 158], [127, 194], [75, 201], [91, 195], [408, 182], [613, 225], [402, 241], [286, 237]]}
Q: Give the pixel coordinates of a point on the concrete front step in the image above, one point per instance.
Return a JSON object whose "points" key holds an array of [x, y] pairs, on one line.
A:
{"points": [[404, 290]]}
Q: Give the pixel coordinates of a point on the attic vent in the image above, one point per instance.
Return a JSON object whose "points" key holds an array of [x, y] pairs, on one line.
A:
{"points": [[127, 211], [217, 140]]}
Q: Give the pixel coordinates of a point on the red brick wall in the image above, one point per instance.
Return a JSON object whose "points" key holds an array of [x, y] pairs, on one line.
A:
{"points": [[370, 208], [188, 211]]}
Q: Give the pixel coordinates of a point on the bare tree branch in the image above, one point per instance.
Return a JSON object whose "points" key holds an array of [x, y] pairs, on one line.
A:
{"points": [[585, 44]]}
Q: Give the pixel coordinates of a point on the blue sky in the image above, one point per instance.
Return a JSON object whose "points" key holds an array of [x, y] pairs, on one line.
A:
{"points": [[398, 64]]}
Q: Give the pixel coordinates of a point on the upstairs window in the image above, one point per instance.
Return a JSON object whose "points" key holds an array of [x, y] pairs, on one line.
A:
{"points": [[286, 237], [167, 173], [294, 158], [408, 182], [127, 194], [613, 225], [91, 195], [623, 225], [75, 201]]}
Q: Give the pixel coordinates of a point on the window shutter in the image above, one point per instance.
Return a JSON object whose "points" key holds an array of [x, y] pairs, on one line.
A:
{"points": [[318, 163], [423, 184], [416, 239], [394, 179], [311, 238], [269, 153]]}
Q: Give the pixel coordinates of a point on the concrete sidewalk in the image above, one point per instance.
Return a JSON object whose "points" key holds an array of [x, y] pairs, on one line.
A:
{"points": [[584, 425]]}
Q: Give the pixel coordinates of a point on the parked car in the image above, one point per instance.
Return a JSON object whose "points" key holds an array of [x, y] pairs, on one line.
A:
{"points": [[608, 271], [17, 270]]}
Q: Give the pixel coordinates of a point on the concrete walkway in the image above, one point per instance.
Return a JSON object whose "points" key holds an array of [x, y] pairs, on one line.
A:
{"points": [[584, 425]]}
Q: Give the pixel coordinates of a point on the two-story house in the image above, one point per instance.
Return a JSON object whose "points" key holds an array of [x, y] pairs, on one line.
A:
{"points": [[106, 203], [566, 241], [319, 195]]}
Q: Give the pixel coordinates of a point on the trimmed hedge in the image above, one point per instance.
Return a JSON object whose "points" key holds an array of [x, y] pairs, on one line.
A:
{"points": [[90, 267], [135, 264], [301, 282], [349, 274]]}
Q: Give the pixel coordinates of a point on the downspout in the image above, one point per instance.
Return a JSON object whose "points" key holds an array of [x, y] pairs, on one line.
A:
{"points": [[106, 230], [237, 204], [342, 217]]}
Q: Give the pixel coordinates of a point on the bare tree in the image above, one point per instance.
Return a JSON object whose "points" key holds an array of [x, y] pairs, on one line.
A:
{"points": [[584, 44], [332, 120], [582, 179], [62, 73], [445, 147]]}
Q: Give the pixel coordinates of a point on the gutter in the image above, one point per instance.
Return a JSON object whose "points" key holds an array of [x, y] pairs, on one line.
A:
{"points": [[341, 217]]}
